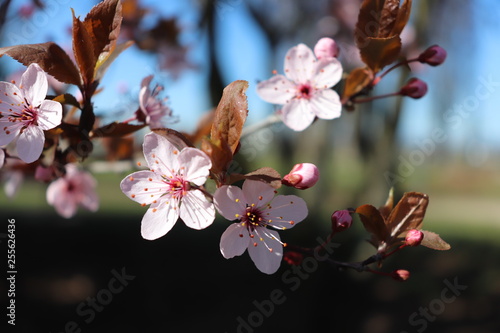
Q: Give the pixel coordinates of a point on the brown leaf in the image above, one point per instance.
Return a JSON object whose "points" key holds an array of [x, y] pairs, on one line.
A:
{"points": [[267, 175], [408, 214], [230, 115], [221, 156], [115, 130], [67, 99], [380, 52], [83, 50], [357, 80], [119, 148], [176, 138], [377, 33], [108, 57], [51, 58], [103, 25], [386, 209], [402, 18], [373, 223], [433, 241]]}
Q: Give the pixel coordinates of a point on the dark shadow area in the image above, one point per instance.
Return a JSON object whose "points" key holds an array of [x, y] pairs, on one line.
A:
{"points": [[96, 274]]}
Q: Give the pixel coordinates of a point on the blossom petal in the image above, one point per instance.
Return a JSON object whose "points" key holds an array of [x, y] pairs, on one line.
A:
{"points": [[2, 157], [325, 104], [65, 205], [285, 211], [30, 144], [8, 131], [196, 211], [267, 251], [327, 73], [10, 96], [49, 114], [300, 64], [196, 165], [13, 182], [230, 202], [276, 90], [34, 84], [159, 219], [234, 241], [144, 187], [297, 114], [160, 154], [257, 192]]}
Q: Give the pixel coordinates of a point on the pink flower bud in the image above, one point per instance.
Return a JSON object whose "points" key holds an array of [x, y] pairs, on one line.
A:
{"points": [[302, 176], [400, 275], [341, 220], [434, 55], [326, 48], [414, 88], [414, 237]]}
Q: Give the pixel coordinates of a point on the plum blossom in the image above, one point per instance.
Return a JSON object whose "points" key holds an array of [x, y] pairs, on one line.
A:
{"points": [[75, 188], [257, 211], [152, 108], [171, 187], [2, 157], [25, 114], [305, 88]]}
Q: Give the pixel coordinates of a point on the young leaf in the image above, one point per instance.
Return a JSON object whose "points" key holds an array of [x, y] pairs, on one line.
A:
{"points": [[358, 79], [103, 25], [386, 209], [230, 115], [176, 138], [433, 241], [378, 30], [83, 50], [67, 99], [266, 174], [221, 156], [408, 214], [50, 56], [115, 130], [105, 59], [373, 223]]}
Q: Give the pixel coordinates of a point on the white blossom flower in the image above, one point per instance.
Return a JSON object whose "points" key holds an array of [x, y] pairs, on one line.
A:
{"points": [[171, 187], [25, 114], [257, 212], [153, 108], [305, 88], [75, 188]]}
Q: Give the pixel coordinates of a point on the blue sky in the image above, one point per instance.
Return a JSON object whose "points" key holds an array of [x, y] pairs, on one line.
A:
{"points": [[244, 55]]}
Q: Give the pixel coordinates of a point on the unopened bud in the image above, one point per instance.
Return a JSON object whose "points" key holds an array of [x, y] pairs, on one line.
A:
{"points": [[414, 237], [302, 176], [414, 88], [341, 220], [326, 48], [400, 275], [434, 55], [293, 258]]}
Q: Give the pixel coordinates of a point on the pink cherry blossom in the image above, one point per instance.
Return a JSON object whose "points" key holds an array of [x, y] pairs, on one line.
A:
{"points": [[2, 157], [25, 113], [75, 188], [257, 211], [154, 112], [171, 187], [302, 176], [305, 88]]}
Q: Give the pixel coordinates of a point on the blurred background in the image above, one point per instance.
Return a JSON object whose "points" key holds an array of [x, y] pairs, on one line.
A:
{"points": [[445, 145]]}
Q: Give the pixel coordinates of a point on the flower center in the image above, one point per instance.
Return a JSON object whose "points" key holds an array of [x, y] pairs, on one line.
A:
{"points": [[177, 186], [27, 116], [253, 218], [304, 91]]}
